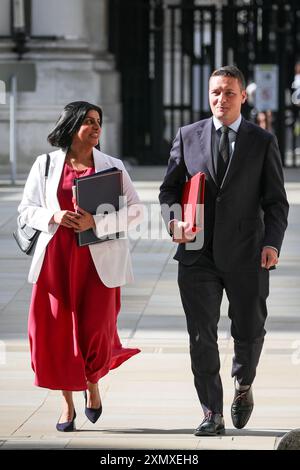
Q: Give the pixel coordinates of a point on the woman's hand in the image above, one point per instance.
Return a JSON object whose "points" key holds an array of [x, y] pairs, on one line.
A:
{"points": [[85, 220], [67, 219]]}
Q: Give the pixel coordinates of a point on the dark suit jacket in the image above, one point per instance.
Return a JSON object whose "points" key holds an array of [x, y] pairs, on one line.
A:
{"points": [[250, 209]]}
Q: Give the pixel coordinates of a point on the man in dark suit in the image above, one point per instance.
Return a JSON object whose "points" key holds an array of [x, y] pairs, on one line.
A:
{"points": [[245, 217]]}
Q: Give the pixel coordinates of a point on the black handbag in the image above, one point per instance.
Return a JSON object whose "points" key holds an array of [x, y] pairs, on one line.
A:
{"points": [[26, 236]]}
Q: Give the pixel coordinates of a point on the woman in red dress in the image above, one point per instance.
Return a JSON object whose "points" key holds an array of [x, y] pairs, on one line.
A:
{"points": [[76, 294]]}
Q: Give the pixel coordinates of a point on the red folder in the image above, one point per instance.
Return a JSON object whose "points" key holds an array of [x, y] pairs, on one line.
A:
{"points": [[192, 201]]}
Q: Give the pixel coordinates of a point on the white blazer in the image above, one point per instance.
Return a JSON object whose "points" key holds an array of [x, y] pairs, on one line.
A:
{"points": [[112, 258]]}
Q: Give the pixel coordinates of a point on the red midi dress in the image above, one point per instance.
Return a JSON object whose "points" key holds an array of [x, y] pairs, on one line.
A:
{"points": [[72, 321]]}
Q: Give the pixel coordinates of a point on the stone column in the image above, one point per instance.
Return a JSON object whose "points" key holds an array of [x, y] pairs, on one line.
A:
{"points": [[97, 30], [65, 19]]}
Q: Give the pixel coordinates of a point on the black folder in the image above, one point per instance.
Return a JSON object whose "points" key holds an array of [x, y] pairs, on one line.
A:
{"points": [[104, 187]]}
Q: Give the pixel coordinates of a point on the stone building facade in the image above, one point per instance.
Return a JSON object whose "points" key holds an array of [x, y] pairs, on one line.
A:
{"points": [[67, 42]]}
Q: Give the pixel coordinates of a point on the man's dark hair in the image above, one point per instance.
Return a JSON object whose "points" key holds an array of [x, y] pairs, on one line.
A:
{"points": [[69, 122], [231, 71]]}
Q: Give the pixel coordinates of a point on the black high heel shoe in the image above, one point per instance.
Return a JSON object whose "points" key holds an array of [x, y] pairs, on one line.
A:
{"points": [[68, 426], [93, 414]]}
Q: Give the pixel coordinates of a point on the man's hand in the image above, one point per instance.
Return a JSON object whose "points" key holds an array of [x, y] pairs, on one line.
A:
{"points": [[269, 257], [183, 232]]}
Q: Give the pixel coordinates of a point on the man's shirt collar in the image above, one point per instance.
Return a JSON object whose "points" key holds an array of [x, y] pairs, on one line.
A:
{"points": [[234, 126]]}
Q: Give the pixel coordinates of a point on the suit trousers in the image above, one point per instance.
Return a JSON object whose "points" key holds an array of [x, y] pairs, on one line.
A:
{"points": [[201, 288]]}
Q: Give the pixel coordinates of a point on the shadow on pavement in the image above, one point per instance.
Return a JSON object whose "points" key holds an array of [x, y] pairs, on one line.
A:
{"points": [[229, 432]]}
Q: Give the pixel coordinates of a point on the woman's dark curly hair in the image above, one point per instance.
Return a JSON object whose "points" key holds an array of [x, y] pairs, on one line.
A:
{"points": [[69, 123]]}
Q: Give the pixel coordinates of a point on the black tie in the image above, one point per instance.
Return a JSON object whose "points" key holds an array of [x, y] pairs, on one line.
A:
{"points": [[223, 157]]}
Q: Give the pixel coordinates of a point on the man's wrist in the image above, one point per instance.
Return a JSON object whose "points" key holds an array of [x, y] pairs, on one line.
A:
{"points": [[273, 248]]}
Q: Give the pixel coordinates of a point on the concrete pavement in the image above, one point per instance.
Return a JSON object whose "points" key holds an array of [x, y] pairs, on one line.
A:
{"points": [[150, 401]]}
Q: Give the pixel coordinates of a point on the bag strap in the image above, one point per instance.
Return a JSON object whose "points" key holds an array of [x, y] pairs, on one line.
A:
{"points": [[47, 166], [46, 173]]}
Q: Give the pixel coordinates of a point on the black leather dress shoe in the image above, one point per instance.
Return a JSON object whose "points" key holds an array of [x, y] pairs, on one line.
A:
{"points": [[212, 425], [242, 407]]}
